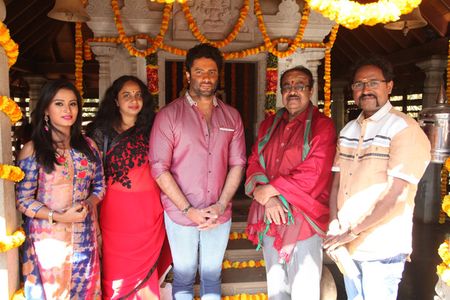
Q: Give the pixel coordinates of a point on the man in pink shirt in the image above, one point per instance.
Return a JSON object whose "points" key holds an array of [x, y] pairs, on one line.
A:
{"points": [[289, 177], [197, 153]]}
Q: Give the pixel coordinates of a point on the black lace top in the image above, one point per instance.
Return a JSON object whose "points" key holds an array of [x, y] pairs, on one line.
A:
{"points": [[124, 152]]}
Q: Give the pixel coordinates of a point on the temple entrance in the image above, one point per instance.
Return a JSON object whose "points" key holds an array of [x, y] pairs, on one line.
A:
{"points": [[237, 88]]}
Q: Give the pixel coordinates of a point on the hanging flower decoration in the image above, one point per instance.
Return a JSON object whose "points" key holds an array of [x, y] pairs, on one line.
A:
{"points": [[12, 241], [446, 205], [11, 48], [11, 173], [448, 73], [126, 41], [351, 14], [268, 42], [327, 73], [271, 84], [443, 269], [243, 264], [18, 295], [10, 108], [231, 36], [152, 77], [444, 197], [79, 58]]}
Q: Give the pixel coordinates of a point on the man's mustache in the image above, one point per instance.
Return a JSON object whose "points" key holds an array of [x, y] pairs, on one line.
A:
{"points": [[367, 95]]}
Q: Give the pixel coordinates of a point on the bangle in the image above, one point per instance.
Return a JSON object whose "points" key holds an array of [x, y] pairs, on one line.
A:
{"points": [[350, 232], [186, 209], [50, 217]]}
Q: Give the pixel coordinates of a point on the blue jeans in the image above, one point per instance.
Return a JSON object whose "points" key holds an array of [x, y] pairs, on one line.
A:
{"points": [[187, 245], [379, 279]]}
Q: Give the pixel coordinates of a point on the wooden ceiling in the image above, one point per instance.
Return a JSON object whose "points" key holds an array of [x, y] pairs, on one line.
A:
{"points": [[47, 45]]}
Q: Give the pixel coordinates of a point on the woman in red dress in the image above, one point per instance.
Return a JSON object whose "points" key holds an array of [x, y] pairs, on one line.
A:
{"points": [[131, 216]]}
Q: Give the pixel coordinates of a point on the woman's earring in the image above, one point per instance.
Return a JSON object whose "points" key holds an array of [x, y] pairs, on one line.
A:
{"points": [[46, 121]]}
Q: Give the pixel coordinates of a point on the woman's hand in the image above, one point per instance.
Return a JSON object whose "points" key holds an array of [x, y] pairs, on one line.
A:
{"points": [[76, 213]]}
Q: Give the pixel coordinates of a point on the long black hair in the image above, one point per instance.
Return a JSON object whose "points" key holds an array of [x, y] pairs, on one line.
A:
{"points": [[108, 116], [42, 137]]}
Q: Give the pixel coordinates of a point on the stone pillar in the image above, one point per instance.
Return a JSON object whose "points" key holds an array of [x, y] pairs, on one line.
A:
{"points": [[338, 104], [104, 53], [309, 58], [141, 64], [428, 196], [434, 69], [9, 261], [35, 82]]}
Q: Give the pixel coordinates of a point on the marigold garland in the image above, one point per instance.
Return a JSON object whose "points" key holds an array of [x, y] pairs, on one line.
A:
{"points": [[260, 296], [18, 295], [271, 84], [268, 42], [443, 269], [12, 241], [351, 14], [444, 182], [448, 73], [327, 73], [156, 41], [12, 173], [79, 58], [10, 108], [227, 264], [11, 48], [238, 236], [231, 36]]}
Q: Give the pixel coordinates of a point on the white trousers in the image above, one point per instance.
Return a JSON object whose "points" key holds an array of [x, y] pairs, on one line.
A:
{"points": [[300, 277]]}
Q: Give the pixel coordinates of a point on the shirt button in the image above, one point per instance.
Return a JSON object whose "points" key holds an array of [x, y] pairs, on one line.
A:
{"points": [[206, 135], [271, 177], [209, 172], [209, 153], [277, 160], [282, 144], [208, 191], [350, 174]]}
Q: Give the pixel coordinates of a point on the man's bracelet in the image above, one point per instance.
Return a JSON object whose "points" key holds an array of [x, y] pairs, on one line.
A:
{"points": [[186, 209]]}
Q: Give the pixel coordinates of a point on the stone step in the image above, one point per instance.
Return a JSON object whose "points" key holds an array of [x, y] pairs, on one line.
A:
{"points": [[238, 226], [241, 281], [243, 255]]}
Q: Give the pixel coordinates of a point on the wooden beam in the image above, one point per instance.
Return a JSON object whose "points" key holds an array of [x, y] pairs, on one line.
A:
{"points": [[437, 14], [415, 54]]}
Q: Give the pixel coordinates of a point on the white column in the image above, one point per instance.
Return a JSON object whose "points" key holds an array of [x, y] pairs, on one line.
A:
{"points": [[104, 53], [9, 261], [309, 58], [338, 104], [141, 65], [35, 82]]}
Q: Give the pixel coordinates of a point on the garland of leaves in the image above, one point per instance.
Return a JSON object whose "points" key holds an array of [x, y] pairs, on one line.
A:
{"points": [[152, 75]]}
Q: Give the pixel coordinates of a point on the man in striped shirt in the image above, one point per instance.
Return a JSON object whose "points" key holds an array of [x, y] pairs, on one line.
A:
{"points": [[380, 158]]}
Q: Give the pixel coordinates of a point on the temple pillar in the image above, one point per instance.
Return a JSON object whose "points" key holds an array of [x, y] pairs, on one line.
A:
{"points": [[428, 198], [338, 104], [9, 261], [35, 82], [309, 58], [104, 53]]}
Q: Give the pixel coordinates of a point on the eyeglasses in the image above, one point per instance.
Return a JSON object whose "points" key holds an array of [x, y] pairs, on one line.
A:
{"points": [[372, 84], [297, 88]]}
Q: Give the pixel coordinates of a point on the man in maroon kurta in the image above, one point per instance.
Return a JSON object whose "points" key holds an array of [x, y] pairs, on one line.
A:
{"points": [[289, 177]]}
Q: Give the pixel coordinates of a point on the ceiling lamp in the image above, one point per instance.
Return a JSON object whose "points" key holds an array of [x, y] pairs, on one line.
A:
{"points": [[408, 21], [69, 11]]}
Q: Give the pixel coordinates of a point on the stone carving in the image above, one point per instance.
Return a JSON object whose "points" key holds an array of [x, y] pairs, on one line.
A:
{"points": [[288, 10], [214, 18], [98, 9], [136, 9]]}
